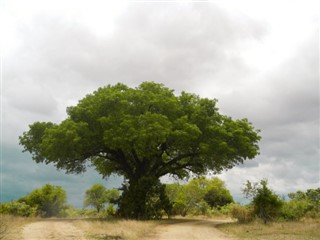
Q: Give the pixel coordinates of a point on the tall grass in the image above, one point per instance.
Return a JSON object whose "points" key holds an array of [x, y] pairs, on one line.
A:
{"points": [[115, 229], [11, 226], [298, 230]]}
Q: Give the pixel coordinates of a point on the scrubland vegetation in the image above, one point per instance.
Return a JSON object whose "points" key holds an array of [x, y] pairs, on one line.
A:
{"points": [[266, 217]]}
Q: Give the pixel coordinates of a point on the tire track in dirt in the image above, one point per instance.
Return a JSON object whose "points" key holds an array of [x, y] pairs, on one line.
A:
{"points": [[52, 230]]}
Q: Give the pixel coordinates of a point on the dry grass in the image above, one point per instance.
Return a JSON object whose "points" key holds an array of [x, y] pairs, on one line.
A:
{"points": [[11, 226], [307, 229], [115, 229]]}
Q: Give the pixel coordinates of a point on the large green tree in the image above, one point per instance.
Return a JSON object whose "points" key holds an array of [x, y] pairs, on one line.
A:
{"points": [[142, 132]]}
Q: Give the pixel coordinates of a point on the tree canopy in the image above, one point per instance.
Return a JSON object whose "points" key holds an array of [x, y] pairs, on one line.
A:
{"points": [[143, 131]]}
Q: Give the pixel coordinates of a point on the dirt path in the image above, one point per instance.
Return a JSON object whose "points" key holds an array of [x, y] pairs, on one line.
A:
{"points": [[189, 230], [178, 230], [52, 230]]}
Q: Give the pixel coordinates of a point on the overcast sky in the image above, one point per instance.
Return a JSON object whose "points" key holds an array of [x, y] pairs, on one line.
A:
{"points": [[260, 59]]}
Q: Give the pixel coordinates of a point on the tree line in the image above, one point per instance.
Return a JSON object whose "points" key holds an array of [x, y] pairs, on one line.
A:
{"points": [[182, 199], [200, 196]]}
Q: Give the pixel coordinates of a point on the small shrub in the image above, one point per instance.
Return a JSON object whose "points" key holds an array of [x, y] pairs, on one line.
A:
{"points": [[242, 213]]}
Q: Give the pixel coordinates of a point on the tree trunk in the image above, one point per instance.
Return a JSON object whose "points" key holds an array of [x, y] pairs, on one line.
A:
{"points": [[143, 198]]}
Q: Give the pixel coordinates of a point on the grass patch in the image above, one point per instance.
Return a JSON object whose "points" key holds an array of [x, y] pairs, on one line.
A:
{"points": [[115, 229], [306, 230], [11, 226]]}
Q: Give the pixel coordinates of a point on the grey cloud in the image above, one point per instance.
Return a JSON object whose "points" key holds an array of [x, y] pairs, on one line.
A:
{"points": [[32, 98], [183, 46], [284, 104], [175, 44]]}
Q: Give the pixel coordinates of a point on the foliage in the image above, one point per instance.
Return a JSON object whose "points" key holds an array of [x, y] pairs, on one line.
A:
{"points": [[143, 131], [18, 209], [294, 209], [266, 204], [98, 195], [302, 204], [218, 198], [198, 196], [46, 201], [49, 200]]}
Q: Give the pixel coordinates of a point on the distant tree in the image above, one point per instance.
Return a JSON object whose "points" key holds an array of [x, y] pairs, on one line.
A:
{"points": [[217, 195], [218, 198], [299, 195], [142, 134], [314, 196], [49, 200], [266, 204], [98, 195]]}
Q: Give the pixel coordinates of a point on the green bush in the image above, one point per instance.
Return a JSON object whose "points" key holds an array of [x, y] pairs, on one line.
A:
{"points": [[199, 196], [201, 208], [226, 209], [294, 210], [49, 200], [302, 204], [111, 211], [18, 209], [244, 214]]}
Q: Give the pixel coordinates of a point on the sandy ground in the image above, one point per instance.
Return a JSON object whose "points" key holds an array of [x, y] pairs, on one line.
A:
{"points": [[52, 230], [189, 230]]}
